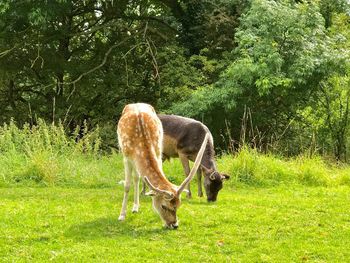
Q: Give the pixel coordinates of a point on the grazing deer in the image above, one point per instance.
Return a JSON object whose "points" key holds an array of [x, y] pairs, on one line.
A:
{"points": [[183, 138], [140, 136]]}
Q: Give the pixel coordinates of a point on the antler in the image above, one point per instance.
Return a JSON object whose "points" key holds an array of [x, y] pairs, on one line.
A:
{"points": [[157, 190], [195, 166]]}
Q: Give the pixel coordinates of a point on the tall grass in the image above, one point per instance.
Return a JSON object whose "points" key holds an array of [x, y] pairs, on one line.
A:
{"points": [[50, 138], [250, 167], [44, 154]]}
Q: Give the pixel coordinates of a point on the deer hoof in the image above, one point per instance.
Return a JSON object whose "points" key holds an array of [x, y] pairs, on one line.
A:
{"points": [[121, 218], [135, 209]]}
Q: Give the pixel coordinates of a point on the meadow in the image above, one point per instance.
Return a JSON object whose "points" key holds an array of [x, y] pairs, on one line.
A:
{"points": [[60, 198]]}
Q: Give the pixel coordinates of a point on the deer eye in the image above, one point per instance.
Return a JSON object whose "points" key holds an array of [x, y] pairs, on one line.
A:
{"points": [[167, 208]]}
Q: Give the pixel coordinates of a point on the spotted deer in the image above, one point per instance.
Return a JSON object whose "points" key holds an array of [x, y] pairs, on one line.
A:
{"points": [[140, 136], [183, 138]]}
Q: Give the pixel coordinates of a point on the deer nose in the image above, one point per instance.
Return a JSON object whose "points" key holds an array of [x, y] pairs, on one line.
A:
{"points": [[172, 225]]}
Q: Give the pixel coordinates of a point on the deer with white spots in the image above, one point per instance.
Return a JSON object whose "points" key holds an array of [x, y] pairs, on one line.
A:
{"points": [[140, 136]]}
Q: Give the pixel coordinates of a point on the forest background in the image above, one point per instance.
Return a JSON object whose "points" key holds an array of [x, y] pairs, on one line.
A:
{"points": [[270, 74]]}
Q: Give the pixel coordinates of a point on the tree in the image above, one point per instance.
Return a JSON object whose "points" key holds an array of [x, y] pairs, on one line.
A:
{"points": [[328, 114], [283, 54]]}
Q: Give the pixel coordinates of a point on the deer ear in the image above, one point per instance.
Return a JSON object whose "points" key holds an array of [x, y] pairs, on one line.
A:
{"points": [[225, 177], [168, 195]]}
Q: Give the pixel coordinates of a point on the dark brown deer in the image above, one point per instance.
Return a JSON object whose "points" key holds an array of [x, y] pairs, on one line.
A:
{"points": [[183, 138]]}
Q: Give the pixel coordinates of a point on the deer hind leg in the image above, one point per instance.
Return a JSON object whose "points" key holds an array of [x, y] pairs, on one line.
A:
{"points": [[128, 167], [143, 191], [136, 206], [186, 167], [199, 182]]}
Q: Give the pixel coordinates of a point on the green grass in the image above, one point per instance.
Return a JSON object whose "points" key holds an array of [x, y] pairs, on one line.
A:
{"points": [[45, 155], [252, 168], [60, 200], [247, 224]]}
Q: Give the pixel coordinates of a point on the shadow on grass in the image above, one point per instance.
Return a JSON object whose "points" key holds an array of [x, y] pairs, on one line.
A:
{"points": [[110, 227]]}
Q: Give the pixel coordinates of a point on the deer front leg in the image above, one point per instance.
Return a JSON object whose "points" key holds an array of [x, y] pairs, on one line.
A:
{"points": [[136, 206], [128, 174], [186, 166], [199, 182]]}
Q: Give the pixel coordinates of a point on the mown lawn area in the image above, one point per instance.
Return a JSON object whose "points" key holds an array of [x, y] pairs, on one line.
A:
{"points": [[248, 224]]}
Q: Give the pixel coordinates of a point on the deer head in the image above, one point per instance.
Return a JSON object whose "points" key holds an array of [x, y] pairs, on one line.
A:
{"points": [[213, 182], [166, 202]]}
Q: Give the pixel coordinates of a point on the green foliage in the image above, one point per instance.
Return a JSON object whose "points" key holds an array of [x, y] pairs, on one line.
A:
{"points": [[329, 8], [48, 138], [280, 60], [44, 154], [284, 55], [327, 116], [211, 60], [291, 201], [250, 167]]}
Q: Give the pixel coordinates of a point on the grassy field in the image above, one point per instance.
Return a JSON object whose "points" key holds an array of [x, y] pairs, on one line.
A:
{"points": [[60, 200], [279, 224]]}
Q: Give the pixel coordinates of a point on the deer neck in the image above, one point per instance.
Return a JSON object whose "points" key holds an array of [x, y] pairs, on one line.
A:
{"points": [[150, 168], [208, 160], [208, 163]]}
